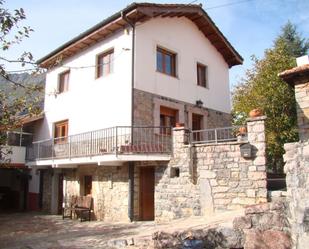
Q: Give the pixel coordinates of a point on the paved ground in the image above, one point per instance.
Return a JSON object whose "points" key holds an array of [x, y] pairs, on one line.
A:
{"points": [[39, 231]]}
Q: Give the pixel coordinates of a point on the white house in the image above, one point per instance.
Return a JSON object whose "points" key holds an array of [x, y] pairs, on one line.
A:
{"points": [[148, 66]]}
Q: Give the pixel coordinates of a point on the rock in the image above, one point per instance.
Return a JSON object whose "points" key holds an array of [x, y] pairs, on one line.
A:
{"points": [[255, 239], [256, 209], [243, 222]]}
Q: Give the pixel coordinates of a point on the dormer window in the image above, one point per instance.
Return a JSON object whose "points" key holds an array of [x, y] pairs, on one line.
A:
{"points": [[63, 84], [105, 63]]}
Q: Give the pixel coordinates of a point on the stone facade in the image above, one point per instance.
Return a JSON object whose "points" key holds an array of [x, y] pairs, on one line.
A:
{"points": [[144, 102], [299, 78], [212, 177], [297, 180], [302, 99], [47, 190], [109, 190]]}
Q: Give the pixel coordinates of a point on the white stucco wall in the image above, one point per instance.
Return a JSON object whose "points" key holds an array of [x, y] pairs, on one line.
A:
{"points": [[183, 37], [90, 103]]}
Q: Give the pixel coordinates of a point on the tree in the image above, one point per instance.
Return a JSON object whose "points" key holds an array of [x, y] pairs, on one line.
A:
{"points": [[262, 88], [16, 98]]}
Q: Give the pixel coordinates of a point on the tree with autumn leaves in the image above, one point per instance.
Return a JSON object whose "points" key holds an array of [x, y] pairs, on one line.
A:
{"points": [[262, 88], [16, 98]]}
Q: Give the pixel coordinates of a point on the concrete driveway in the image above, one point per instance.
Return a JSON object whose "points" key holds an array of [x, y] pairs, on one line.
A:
{"points": [[40, 231]]}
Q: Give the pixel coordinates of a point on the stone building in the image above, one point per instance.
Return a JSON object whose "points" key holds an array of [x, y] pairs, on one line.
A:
{"points": [[297, 156], [112, 95]]}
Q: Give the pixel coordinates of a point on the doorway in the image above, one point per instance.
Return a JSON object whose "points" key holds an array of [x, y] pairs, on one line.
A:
{"points": [[147, 184], [60, 193]]}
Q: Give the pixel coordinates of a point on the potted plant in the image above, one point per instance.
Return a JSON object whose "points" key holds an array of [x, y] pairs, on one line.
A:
{"points": [[255, 113]]}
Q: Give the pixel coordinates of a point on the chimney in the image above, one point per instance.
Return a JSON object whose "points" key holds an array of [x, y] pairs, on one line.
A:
{"points": [[303, 60]]}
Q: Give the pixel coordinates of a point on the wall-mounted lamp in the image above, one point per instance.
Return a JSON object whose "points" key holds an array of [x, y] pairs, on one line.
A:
{"points": [[199, 103]]}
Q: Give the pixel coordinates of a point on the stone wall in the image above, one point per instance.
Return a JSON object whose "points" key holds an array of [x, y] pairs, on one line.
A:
{"points": [[212, 177], [302, 99], [47, 190], [144, 102], [297, 180], [109, 189], [265, 226]]}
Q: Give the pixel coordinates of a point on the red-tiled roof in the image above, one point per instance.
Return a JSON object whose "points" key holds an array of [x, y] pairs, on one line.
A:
{"points": [[292, 75]]}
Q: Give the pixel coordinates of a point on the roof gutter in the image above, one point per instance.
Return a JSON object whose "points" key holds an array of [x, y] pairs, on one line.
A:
{"points": [[131, 164]]}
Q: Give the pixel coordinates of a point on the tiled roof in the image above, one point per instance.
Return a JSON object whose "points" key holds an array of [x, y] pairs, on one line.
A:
{"points": [[141, 12], [295, 73]]}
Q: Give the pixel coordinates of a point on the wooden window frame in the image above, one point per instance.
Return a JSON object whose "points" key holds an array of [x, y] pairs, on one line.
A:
{"points": [[99, 67], [59, 125], [173, 57], [61, 81], [167, 112], [201, 82]]}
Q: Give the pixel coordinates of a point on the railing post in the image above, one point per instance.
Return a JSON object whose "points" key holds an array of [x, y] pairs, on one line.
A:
{"points": [[116, 151], [69, 140], [216, 136], [53, 147], [38, 150], [91, 143]]}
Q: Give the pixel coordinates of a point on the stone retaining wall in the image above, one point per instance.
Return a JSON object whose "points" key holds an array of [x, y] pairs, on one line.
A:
{"points": [[205, 178], [297, 181]]}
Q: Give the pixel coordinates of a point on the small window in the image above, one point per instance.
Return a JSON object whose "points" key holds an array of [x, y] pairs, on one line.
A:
{"points": [[166, 62], [175, 172], [105, 63], [61, 131], [201, 75], [63, 85]]}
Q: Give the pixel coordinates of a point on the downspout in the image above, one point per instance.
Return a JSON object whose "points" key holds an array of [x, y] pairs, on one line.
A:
{"points": [[131, 164]]}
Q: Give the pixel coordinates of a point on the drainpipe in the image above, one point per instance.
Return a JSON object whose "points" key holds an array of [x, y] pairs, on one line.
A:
{"points": [[131, 164]]}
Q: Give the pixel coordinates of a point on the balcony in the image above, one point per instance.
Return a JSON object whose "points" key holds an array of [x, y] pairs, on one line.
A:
{"points": [[110, 146], [14, 151]]}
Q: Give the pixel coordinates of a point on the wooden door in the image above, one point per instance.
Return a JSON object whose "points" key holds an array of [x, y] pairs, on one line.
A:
{"points": [[197, 124], [60, 193], [147, 183], [87, 185]]}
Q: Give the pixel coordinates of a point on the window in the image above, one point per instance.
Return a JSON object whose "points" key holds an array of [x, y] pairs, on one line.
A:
{"points": [[166, 62], [201, 75], [167, 119], [63, 85], [61, 131], [105, 63]]}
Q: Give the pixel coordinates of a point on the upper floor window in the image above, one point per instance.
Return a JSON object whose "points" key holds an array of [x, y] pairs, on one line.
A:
{"points": [[166, 62], [63, 84], [61, 131], [201, 75], [105, 63]]}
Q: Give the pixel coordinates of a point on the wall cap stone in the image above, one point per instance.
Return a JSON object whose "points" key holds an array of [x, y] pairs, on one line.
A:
{"points": [[260, 118]]}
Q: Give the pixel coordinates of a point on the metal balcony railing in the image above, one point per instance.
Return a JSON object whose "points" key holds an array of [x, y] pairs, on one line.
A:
{"points": [[219, 135], [116, 140]]}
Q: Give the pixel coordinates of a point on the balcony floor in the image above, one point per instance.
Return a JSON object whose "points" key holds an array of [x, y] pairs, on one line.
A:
{"points": [[102, 160]]}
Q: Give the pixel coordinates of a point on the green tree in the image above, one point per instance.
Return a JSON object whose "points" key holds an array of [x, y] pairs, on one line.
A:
{"points": [[16, 98], [262, 88]]}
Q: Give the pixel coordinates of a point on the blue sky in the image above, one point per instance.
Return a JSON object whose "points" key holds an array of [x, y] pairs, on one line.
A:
{"points": [[250, 26]]}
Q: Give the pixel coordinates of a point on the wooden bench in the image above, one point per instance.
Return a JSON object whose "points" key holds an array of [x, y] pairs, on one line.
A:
{"points": [[80, 206]]}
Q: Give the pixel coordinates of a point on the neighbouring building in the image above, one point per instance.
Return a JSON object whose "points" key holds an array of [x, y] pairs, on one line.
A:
{"points": [[297, 156], [112, 95]]}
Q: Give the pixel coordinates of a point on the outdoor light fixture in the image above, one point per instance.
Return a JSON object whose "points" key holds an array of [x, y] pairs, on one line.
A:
{"points": [[199, 103]]}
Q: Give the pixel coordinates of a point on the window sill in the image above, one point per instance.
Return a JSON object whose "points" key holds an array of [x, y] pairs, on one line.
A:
{"points": [[175, 77], [204, 87]]}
